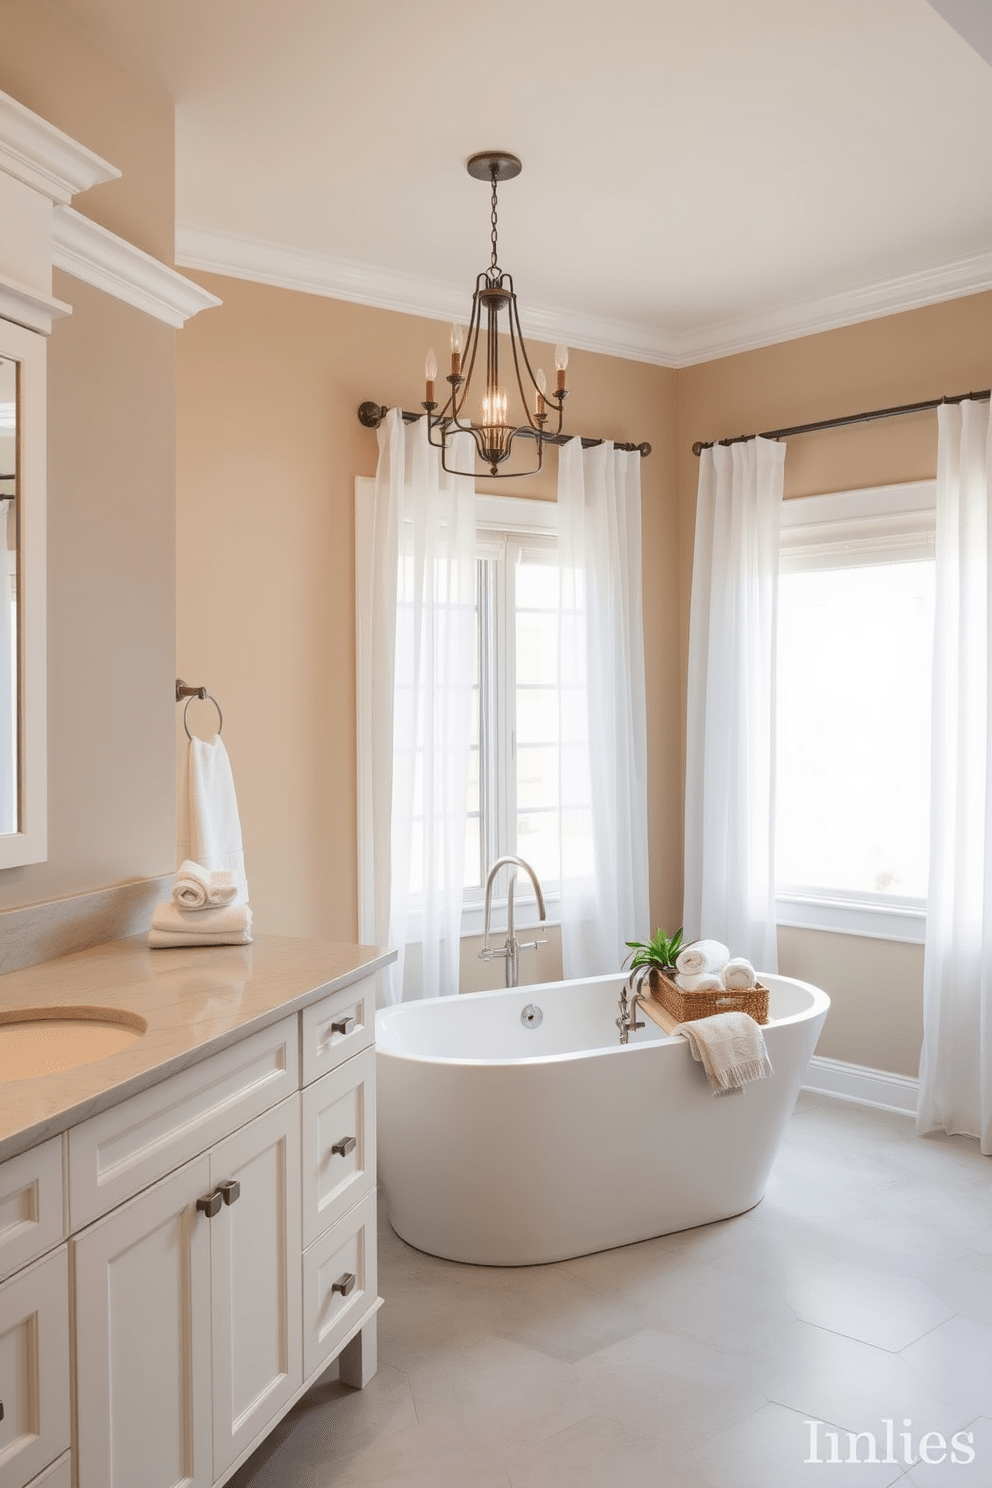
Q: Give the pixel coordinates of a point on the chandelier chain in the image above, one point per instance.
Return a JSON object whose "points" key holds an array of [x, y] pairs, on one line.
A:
{"points": [[494, 265]]}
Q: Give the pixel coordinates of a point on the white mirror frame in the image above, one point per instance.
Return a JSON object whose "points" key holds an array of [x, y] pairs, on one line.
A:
{"points": [[30, 843]]}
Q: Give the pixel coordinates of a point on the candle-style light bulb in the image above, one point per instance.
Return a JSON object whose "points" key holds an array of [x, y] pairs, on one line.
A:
{"points": [[542, 388], [430, 373], [561, 362], [457, 344], [494, 406]]}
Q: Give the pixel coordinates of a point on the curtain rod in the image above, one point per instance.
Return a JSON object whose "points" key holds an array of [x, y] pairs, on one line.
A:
{"points": [[371, 416], [837, 423]]}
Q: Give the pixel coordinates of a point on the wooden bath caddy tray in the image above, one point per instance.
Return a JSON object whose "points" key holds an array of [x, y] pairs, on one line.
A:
{"points": [[686, 1007]]}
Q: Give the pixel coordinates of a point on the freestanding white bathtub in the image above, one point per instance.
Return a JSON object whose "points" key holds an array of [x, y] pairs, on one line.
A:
{"points": [[505, 1144]]}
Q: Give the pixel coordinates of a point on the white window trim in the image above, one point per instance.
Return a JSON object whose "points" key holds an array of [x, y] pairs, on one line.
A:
{"points": [[860, 525]]}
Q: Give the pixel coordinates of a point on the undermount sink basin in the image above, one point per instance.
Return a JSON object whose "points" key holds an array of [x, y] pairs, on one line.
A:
{"points": [[43, 1040]]}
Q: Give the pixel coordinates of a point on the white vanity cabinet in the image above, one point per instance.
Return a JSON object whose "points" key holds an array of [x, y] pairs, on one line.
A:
{"points": [[215, 1252]]}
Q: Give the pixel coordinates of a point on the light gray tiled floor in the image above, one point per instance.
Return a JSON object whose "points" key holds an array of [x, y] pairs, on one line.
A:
{"points": [[858, 1291]]}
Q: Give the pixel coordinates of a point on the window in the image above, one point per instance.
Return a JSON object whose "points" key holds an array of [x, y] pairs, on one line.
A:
{"points": [[525, 721], [855, 633]]}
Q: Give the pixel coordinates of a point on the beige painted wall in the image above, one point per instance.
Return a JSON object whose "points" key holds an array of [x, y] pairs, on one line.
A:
{"points": [[111, 504], [877, 986], [269, 448]]}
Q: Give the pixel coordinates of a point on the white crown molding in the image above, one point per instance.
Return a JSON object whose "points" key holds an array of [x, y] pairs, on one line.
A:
{"points": [[99, 257], [319, 273], [863, 1086], [26, 307], [386, 289], [35, 152], [951, 281]]}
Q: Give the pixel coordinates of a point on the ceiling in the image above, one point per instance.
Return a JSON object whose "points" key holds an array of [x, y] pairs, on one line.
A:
{"points": [[697, 177]]}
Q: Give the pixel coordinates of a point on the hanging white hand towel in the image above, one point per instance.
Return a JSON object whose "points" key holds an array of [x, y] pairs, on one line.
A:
{"points": [[214, 836]]}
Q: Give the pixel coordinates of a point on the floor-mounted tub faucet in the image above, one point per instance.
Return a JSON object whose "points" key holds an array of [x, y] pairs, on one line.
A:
{"points": [[510, 951]]}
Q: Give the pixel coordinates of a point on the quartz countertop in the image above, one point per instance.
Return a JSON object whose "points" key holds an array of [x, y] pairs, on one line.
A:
{"points": [[195, 1001]]}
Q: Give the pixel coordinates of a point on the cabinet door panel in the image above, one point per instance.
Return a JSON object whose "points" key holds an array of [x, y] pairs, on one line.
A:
{"points": [[34, 1369], [143, 1340], [338, 1111], [255, 1250]]}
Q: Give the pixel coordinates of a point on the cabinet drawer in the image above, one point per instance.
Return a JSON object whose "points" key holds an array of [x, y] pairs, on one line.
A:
{"points": [[116, 1154], [332, 1302], [34, 1369], [337, 1028], [338, 1112], [31, 1208]]}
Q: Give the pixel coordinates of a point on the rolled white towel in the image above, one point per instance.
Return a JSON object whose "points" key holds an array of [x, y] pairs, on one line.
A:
{"points": [[703, 981], [703, 955], [739, 975], [227, 925], [202, 888]]}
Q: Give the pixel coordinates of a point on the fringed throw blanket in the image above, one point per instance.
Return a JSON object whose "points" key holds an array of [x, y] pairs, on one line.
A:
{"points": [[731, 1049]]}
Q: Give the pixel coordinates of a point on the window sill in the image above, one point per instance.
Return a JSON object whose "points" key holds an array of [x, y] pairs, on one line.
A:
{"points": [[881, 919]]}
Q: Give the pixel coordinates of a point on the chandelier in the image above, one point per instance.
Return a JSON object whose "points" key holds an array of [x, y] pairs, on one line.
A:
{"points": [[492, 428]]}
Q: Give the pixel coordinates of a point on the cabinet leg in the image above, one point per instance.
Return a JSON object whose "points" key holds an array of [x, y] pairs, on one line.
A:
{"points": [[357, 1360]]}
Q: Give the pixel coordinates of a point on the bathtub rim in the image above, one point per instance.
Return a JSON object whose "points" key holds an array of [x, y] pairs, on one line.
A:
{"points": [[820, 1003]]}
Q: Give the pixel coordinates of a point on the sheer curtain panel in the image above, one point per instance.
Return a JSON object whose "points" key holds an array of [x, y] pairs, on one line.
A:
{"points": [[956, 1066], [604, 835], [730, 723], [416, 581]]}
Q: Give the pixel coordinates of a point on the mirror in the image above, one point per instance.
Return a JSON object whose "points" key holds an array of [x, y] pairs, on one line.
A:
{"points": [[10, 788], [23, 702]]}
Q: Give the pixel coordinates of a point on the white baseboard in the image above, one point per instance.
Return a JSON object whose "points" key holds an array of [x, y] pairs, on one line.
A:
{"points": [[864, 1086]]}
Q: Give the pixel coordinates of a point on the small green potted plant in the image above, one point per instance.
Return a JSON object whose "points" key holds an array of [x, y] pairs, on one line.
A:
{"points": [[656, 954]]}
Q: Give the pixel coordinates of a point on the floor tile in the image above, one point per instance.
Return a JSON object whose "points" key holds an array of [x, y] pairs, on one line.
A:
{"points": [[599, 1453], [852, 1384], [958, 1469], [776, 1448], [956, 1359], [965, 1284], [418, 1457], [673, 1388], [497, 1395], [867, 1303]]}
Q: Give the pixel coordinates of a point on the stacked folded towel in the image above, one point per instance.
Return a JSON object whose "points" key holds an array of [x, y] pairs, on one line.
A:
{"points": [[200, 888], [730, 1047], [201, 911], [707, 966]]}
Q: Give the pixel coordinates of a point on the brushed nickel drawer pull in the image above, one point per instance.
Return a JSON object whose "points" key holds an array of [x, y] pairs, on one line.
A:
{"points": [[346, 1145], [343, 1025], [346, 1285], [230, 1191], [210, 1204]]}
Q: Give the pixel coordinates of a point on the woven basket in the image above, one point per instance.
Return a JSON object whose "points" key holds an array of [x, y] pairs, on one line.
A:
{"points": [[688, 1006]]}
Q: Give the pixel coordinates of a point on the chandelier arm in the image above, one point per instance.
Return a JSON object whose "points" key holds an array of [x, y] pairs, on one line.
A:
{"points": [[472, 346], [551, 400]]}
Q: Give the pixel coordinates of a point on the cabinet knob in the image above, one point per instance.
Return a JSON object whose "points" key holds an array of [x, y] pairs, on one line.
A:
{"points": [[230, 1191], [210, 1204], [345, 1284], [346, 1145], [1, 1410], [343, 1025]]}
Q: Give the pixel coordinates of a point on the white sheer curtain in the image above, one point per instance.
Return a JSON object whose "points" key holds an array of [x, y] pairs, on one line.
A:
{"points": [[956, 1067], [730, 724], [8, 684], [604, 890], [416, 635]]}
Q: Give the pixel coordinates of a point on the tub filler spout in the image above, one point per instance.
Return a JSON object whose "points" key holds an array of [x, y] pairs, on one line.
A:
{"points": [[512, 947]]}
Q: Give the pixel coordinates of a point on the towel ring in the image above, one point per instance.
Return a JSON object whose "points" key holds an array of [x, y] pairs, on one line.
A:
{"points": [[207, 697]]}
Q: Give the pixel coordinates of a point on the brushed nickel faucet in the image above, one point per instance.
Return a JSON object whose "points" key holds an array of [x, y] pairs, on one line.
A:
{"points": [[511, 949]]}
